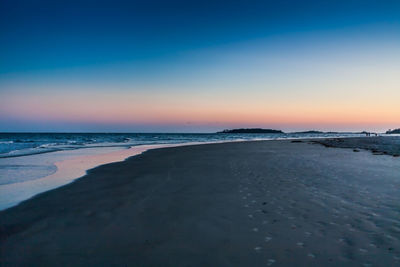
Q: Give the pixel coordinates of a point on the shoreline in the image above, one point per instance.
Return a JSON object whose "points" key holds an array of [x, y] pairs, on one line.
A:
{"points": [[76, 167], [243, 203], [68, 170]]}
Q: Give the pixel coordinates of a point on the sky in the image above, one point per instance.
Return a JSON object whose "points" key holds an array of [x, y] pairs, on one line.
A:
{"points": [[199, 66]]}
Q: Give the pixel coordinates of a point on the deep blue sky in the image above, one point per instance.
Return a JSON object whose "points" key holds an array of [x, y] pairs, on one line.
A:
{"points": [[52, 43], [56, 34]]}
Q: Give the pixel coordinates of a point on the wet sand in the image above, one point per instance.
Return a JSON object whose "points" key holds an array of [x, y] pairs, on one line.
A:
{"points": [[264, 203]]}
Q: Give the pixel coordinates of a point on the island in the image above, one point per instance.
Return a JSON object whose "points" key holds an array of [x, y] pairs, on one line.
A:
{"points": [[309, 132], [251, 130], [395, 131]]}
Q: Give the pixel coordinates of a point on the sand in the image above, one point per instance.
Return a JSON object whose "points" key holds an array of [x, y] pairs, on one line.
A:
{"points": [[388, 145], [264, 203]]}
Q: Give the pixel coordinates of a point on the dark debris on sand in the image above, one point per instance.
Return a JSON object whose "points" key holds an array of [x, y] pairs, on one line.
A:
{"points": [[381, 145]]}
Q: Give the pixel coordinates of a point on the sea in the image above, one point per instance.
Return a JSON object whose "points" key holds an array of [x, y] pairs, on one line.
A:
{"points": [[32, 163]]}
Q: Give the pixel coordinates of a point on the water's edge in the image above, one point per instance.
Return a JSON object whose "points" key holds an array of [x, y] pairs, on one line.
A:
{"points": [[74, 168], [77, 166]]}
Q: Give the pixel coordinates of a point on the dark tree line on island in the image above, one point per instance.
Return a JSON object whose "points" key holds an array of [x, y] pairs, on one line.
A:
{"points": [[395, 131], [252, 130]]}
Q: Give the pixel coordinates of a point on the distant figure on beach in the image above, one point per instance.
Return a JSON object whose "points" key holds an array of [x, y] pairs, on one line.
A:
{"points": [[369, 134]]}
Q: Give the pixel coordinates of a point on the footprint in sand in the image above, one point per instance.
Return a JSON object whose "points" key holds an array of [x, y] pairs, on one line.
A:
{"points": [[300, 244], [257, 249], [389, 237]]}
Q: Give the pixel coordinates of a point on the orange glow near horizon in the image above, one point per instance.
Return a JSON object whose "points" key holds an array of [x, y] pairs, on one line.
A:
{"points": [[332, 66], [328, 88], [235, 111]]}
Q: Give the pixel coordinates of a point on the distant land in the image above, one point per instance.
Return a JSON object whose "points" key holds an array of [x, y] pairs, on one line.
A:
{"points": [[251, 130], [395, 131], [309, 132], [320, 132], [273, 131]]}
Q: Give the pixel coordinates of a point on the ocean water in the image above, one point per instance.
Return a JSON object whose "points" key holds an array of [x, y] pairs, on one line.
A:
{"points": [[31, 163], [23, 144]]}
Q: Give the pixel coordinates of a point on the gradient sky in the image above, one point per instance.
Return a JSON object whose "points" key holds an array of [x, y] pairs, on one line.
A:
{"points": [[199, 66]]}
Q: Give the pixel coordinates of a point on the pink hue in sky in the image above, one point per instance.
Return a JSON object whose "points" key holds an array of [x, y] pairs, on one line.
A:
{"points": [[322, 85]]}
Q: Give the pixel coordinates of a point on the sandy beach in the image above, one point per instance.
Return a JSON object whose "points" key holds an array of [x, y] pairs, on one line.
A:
{"points": [[260, 203], [388, 145]]}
